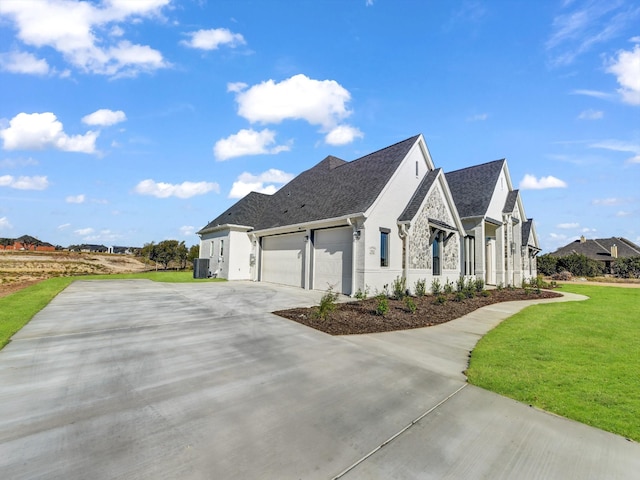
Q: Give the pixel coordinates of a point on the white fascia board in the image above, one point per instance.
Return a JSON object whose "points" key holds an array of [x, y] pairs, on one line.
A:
{"points": [[316, 224], [226, 226]]}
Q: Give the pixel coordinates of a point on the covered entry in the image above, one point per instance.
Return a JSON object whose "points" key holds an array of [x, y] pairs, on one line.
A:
{"points": [[333, 259], [283, 259]]}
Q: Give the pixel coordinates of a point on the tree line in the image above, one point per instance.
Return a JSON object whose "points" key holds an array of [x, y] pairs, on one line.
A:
{"points": [[582, 266], [170, 253]]}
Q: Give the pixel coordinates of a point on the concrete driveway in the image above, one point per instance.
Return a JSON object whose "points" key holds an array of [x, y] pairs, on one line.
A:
{"points": [[135, 379]]}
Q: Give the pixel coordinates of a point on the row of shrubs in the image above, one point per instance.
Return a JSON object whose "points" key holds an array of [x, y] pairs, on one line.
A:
{"points": [[579, 265]]}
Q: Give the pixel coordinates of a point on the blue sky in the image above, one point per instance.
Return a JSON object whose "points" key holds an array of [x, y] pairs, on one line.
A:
{"points": [[129, 121]]}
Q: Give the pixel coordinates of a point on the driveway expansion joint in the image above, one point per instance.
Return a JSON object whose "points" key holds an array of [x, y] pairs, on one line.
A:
{"points": [[397, 434]]}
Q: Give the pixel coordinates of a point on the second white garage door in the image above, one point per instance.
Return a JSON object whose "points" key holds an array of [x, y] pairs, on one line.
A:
{"points": [[332, 265], [282, 259]]}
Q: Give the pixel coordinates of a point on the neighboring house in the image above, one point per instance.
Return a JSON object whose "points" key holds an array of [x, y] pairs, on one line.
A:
{"points": [[25, 242], [92, 248], [605, 250], [501, 242], [352, 225]]}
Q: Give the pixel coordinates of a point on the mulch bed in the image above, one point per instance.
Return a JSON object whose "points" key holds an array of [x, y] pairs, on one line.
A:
{"points": [[360, 316]]}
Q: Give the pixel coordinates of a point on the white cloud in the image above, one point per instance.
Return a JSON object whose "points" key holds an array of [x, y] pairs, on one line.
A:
{"points": [[64, 226], [480, 117], [102, 236], [24, 183], [84, 231], [80, 32], [578, 30], [627, 70], [620, 146], [75, 198], [592, 93], [567, 226], [608, 202], [181, 190], [247, 142], [5, 224], [23, 62], [37, 131], [635, 39], [213, 38], [319, 102], [342, 135], [236, 86], [622, 213], [530, 182], [104, 117], [18, 162], [187, 230], [591, 115], [266, 182]]}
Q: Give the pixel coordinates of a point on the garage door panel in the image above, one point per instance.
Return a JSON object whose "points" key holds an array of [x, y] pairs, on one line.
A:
{"points": [[333, 259], [282, 259]]}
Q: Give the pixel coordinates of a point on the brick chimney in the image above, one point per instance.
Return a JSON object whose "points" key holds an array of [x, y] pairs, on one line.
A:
{"points": [[614, 251], [582, 239]]}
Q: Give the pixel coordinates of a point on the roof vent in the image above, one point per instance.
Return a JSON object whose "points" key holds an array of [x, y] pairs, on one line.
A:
{"points": [[582, 239], [614, 251]]}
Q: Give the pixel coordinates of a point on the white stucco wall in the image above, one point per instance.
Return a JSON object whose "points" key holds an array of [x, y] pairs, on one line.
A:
{"points": [[384, 213], [234, 262]]}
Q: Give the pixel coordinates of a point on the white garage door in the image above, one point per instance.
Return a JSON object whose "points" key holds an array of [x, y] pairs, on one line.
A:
{"points": [[282, 259], [332, 264]]}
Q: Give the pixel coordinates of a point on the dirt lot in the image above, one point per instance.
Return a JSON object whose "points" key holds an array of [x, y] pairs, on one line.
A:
{"points": [[21, 269]]}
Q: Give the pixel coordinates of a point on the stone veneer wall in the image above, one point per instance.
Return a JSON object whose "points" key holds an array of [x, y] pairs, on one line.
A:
{"points": [[419, 246]]}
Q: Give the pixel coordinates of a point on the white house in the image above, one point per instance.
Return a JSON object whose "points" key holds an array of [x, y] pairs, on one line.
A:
{"points": [[501, 242], [362, 224]]}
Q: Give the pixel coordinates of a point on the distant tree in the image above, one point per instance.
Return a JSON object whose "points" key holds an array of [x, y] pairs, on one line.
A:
{"points": [[194, 252], [628, 267], [580, 265], [28, 242], [181, 255], [148, 251], [167, 251], [547, 264], [6, 242]]}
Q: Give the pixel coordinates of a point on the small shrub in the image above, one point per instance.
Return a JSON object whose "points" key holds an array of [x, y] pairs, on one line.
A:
{"points": [[527, 290], [436, 288], [362, 294], [420, 287], [400, 287], [500, 287], [448, 288], [460, 284], [479, 285], [563, 276], [383, 305], [440, 300], [410, 304], [485, 293], [460, 296], [385, 290], [327, 304]]}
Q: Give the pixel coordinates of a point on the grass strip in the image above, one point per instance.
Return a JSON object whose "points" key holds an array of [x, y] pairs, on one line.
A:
{"points": [[17, 309], [580, 360]]}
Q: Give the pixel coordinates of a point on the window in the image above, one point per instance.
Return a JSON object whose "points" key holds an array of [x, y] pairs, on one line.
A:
{"points": [[436, 255], [384, 247], [222, 248], [212, 249]]}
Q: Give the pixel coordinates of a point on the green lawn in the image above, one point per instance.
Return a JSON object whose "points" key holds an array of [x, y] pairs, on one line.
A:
{"points": [[580, 360], [18, 308]]}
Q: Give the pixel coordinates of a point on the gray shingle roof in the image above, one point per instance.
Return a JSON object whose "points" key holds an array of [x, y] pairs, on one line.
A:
{"points": [[510, 202], [418, 197], [600, 248], [332, 188], [472, 187], [246, 211], [526, 232]]}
